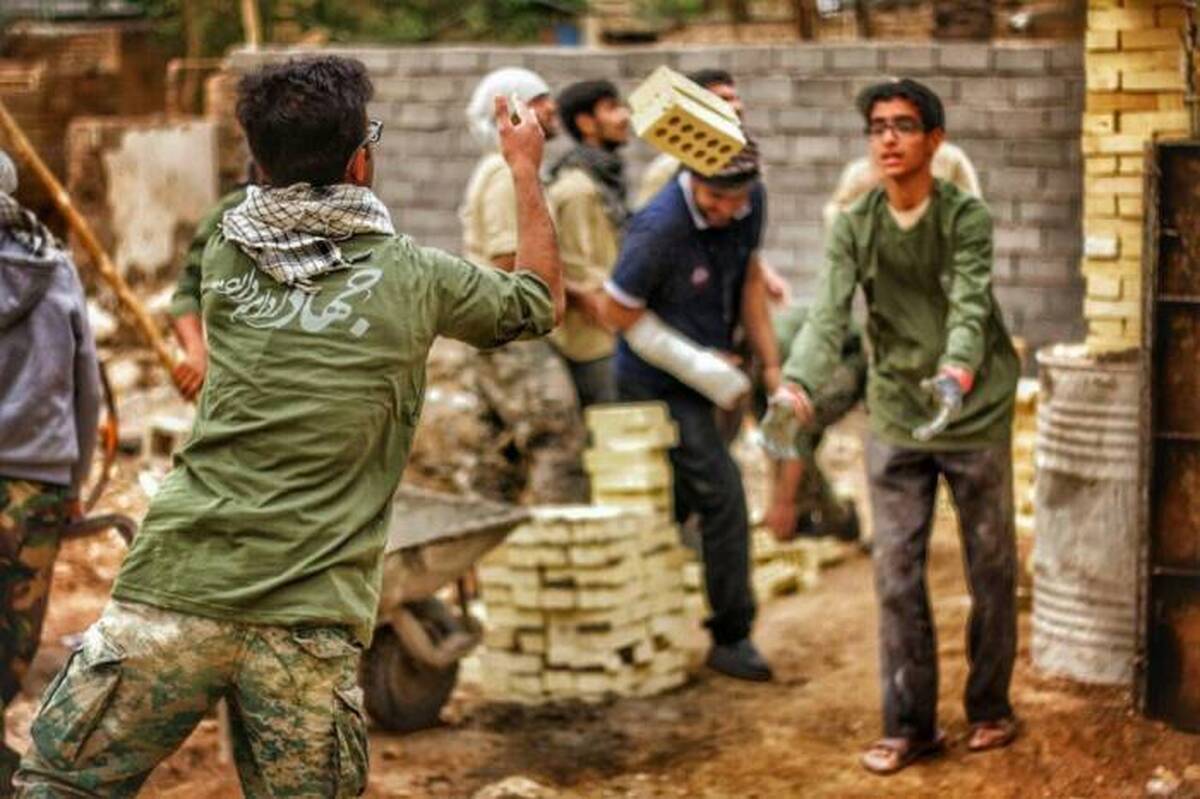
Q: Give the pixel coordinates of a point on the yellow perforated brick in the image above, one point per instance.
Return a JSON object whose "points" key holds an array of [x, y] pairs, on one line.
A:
{"points": [[683, 119]]}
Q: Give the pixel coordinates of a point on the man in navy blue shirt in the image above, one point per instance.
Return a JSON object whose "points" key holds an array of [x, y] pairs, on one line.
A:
{"points": [[688, 275]]}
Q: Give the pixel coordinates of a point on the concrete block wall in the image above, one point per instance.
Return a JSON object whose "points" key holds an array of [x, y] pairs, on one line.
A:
{"points": [[1014, 108]]}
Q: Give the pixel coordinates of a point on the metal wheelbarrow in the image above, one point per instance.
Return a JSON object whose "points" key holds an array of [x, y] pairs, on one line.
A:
{"points": [[434, 540]]}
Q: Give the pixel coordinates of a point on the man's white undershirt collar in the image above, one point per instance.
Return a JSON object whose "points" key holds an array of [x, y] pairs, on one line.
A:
{"points": [[907, 220]]}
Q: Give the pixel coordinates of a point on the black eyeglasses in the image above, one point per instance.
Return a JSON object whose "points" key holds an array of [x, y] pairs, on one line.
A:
{"points": [[901, 126], [374, 132]]}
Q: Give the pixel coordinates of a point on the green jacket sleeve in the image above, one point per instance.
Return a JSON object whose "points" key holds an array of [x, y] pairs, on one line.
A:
{"points": [[487, 307], [818, 347], [186, 299], [970, 293]]}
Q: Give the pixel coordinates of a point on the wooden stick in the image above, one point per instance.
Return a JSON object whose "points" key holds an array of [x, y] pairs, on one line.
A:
{"points": [[251, 24], [103, 264]]}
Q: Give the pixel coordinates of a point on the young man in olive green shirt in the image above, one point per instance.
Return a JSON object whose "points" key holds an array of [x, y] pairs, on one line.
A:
{"points": [[256, 575], [922, 251]]}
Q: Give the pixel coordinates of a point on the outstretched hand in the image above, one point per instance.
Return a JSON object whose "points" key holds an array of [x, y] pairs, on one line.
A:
{"points": [[947, 391], [521, 141]]}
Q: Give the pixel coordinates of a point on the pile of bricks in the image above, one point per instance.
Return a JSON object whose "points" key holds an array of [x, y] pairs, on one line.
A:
{"points": [[779, 568], [628, 465], [584, 602], [1135, 95]]}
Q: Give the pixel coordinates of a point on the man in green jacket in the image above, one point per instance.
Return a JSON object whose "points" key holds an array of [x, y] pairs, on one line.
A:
{"points": [[921, 249], [256, 575]]}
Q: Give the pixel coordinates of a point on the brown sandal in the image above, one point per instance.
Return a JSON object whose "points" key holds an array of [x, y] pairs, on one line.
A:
{"points": [[889, 755], [986, 735]]}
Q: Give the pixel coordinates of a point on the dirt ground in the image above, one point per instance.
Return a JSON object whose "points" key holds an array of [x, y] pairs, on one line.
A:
{"points": [[796, 737]]}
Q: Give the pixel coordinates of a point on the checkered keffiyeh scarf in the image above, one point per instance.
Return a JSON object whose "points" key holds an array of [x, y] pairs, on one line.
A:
{"points": [[22, 225], [292, 233]]}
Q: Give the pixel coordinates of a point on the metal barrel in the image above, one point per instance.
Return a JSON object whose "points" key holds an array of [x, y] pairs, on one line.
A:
{"points": [[1086, 550]]}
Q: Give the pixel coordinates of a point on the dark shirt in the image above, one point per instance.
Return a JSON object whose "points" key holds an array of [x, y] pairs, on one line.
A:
{"points": [[689, 274]]}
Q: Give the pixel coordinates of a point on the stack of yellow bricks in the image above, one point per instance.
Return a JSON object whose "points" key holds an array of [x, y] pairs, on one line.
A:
{"points": [[628, 465], [583, 603], [683, 119], [1024, 472], [779, 569], [586, 602], [1135, 95]]}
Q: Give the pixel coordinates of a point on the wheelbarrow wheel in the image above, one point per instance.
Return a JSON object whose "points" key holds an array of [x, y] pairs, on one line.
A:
{"points": [[401, 693]]}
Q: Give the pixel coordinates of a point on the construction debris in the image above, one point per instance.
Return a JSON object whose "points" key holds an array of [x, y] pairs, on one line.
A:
{"points": [[515, 788], [584, 602]]}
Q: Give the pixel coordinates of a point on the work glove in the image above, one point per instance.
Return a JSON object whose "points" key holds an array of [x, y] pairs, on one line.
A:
{"points": [[947, 389], [788, 412]]}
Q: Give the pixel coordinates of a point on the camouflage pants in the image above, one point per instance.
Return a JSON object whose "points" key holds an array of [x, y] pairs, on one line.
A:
{"points": [[816, 501], [530, 391], [144, 677], [31, 515], [903, 489]]}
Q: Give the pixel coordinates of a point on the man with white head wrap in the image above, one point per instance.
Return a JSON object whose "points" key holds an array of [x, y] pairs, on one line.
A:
{"points": [[525, 384], [489, 212], [49, 402]]}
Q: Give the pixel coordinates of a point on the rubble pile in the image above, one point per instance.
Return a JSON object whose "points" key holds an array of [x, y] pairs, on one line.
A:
{"points": [[584, 602]]}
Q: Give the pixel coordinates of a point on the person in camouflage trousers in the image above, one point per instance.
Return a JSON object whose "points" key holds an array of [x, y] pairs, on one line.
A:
{"points": [[31, 518], [49, 406], [256, 573], [526, 386], [802, 500], [529, 392], [144, 677]]}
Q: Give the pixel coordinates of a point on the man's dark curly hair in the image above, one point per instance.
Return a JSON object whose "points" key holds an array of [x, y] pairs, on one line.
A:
{"points": [[305, 118], [711, 77], [929, 105], [582, 98]]}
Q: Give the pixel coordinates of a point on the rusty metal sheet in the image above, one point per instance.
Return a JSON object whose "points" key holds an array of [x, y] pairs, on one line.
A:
{"points": [[1179, 267], [1169, 683], [1174, 667], [1175, 541], [1177, 367]]}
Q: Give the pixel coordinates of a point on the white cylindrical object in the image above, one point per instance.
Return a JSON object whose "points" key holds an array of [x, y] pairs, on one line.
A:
{"points": [[697, 367]]}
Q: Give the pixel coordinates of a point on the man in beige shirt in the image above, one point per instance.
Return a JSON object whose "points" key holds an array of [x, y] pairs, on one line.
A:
{"points": [[587, 198], [524, 384]]}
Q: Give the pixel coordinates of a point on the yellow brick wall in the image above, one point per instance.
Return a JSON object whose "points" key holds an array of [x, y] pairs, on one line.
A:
{"points": [[1135, 93]]}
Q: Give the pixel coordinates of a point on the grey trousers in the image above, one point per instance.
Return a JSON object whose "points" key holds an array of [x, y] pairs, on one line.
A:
{"points": [[903, 485], [595, 381]]}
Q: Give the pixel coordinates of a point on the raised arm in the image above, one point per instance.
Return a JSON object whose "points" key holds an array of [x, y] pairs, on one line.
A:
{"points": [[522, 143]]}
